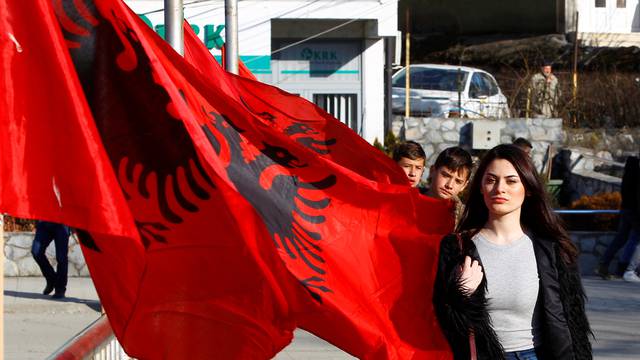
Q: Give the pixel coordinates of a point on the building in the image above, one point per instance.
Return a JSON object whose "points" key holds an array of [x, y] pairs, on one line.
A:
{"points": [[609, 22], [601, 22], [332, 53]]}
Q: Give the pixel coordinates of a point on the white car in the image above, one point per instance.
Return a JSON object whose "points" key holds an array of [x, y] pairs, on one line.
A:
{"points": [[449, 90]]}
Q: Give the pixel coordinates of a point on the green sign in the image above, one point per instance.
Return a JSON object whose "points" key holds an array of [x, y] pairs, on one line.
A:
{"points": [[318, 55], [212, 38]]}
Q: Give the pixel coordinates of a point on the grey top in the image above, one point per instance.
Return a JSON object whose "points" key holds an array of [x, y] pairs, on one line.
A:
{"points": [[512, 291]]}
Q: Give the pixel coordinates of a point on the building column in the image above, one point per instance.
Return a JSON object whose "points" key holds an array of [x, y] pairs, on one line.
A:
{"points": [[373, 90]]}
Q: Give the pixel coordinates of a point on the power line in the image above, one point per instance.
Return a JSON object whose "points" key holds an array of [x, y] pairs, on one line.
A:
{"points": [[318, 34], [360, 15], [194, 2], [279, 16]]}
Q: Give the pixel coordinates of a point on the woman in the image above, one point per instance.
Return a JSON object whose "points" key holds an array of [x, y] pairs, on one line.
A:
{"points": [[508, 285]]}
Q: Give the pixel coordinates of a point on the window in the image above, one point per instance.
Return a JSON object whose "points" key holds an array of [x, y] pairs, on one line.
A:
{"points": [[478, 86], [490, 84], [343, 107], [621, 4], [433, 79], [601, 3]]}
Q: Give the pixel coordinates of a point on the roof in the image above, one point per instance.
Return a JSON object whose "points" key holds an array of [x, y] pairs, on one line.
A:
{"points": [[446, 67]]}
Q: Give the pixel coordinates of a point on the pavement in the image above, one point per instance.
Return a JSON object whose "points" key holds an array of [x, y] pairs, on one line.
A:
{"points": [[35, 325]]}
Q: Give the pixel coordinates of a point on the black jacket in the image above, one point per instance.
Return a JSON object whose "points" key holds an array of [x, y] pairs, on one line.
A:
{"points": [[629, 188], [565, 328]]}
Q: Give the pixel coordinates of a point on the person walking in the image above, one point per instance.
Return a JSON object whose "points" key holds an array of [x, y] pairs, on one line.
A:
{"points": [[628, 226], [56, 279], [507, 283], [631, 272]]}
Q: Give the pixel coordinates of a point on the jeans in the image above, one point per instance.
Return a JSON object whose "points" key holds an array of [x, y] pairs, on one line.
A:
{"points": [[45, 233], [529, 354], [634, 262], [632, 244], [627, 226]]}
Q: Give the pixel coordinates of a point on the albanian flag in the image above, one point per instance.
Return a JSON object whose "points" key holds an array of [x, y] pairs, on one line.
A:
{"points": [[182, 264], [401, 226], [44, 114], [252, 211]]}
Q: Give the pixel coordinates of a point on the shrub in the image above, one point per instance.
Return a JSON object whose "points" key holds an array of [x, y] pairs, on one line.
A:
{"points": [[390, 143], [16, 224], [601, 222]]}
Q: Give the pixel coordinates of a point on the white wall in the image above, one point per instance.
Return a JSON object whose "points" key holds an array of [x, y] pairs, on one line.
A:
{"points": [[254, 17], [609, 19], [373, 90]]}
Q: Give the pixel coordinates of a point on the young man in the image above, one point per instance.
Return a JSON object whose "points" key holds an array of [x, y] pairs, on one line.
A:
{"points": [[411, 158], [523, 144], [449, 175]]}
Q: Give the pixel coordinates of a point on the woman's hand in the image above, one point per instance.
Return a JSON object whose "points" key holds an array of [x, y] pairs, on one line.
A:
{"points": [[470, 275]]}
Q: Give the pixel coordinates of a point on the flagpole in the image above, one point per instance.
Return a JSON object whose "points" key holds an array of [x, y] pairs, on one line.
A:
{"points": [[173, 19], [231, 35]]}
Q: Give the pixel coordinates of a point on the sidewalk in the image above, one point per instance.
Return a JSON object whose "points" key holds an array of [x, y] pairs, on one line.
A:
{"points": [[35, 325]]}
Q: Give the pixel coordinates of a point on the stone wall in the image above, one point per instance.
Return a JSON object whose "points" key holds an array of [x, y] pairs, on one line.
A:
{"points": [[591, 183], [436, 134], [592, 244], [618, 142], [18, 260]]}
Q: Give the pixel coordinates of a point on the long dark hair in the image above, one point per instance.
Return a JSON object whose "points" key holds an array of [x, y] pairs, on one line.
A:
{"points": [[536, 217]]}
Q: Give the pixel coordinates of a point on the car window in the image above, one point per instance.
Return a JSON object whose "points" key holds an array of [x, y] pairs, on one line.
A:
{"points": [[490, 84], [433, 79], [478, 87]]}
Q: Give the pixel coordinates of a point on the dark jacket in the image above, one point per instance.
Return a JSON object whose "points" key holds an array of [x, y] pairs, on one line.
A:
{"points": [[629, 187], [564, 324]]}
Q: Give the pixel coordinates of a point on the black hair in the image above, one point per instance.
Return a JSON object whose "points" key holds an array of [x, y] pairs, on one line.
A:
{"points": [[536, 217], [410, 150], [522, 142], [454, 158]]}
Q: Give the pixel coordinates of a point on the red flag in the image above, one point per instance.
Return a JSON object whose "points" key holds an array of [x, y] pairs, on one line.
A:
{"points": [[212, 187], [45, 115], [383, 309], [296, 117], [183, 265]]}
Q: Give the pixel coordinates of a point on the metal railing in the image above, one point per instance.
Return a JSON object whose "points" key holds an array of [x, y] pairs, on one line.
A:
{"points": [[96, 342], [596, 211]]}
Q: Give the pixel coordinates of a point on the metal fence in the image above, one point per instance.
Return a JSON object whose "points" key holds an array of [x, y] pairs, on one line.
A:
{"points": [[96, 342]]}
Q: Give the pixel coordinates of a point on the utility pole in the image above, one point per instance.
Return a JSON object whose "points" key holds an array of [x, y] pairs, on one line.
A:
{"points": [[231, 35], [575, 72], [388, 92], [407, 72], [173, 20]]}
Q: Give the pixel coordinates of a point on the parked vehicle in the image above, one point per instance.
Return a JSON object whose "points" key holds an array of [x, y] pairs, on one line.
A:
{"points": [[448, 90]]}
